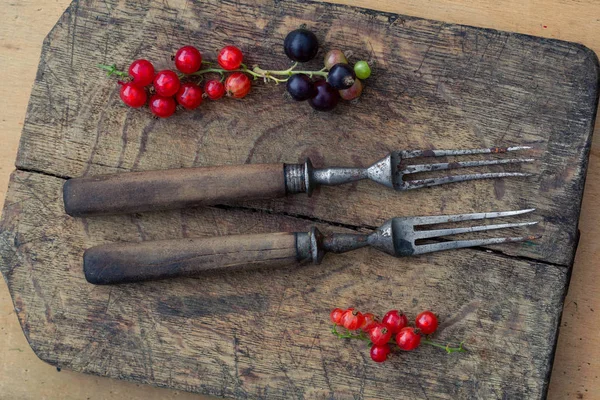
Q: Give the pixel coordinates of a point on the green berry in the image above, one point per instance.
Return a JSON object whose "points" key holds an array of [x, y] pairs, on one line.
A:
{"points": [[362, 70]]}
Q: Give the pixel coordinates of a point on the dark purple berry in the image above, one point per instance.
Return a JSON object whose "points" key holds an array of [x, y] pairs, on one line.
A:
{"points": [[326, 98], [341, 76], [301, 45], [300, 87]]}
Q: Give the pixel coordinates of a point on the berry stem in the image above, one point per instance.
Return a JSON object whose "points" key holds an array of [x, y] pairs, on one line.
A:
{"points": [[289, 72], [360, 336], [255, 72], [209, 70], [447, 347], [112, 70]]}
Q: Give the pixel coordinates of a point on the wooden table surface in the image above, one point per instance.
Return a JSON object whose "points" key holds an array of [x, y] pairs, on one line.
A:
{"points": [[575, 373]]}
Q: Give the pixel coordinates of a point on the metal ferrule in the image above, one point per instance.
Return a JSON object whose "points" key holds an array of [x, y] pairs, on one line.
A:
{"points": [[295, 181], [309, 246], [303, 246]]}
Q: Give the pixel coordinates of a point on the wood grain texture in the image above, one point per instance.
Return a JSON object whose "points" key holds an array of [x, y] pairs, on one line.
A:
{"points": [[22, 374], [171, 189], [440, 85], [265, 334], [134, 135], [163, 259]]}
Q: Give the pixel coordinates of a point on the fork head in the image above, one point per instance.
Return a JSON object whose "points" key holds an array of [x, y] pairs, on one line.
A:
{"points": [[392, 170], [396, 163], [398, 236]]}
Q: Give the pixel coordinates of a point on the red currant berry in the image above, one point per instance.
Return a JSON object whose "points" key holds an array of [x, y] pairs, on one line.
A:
{"points": [[230, 58], [162, 106], [427, 322], [380, 353], [369, 323], [395, 321], [133, 95], [166, 83], [334, 57], [188, 59], [189, 96], [352, 319], [380, 334], [353, 92], [408, 339], [237, 85], [214, 89], [336, 316], [142, 72]]}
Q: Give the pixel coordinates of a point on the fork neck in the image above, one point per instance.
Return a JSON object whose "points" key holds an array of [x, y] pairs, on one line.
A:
{"points": [[313, 245], [304, 177]]}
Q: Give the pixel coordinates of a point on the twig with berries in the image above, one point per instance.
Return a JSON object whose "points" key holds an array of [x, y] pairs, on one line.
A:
{"points": [[168, 88], [391, 329]]}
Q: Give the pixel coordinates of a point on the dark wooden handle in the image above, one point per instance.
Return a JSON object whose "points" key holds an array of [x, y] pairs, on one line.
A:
{"points": [[152, 260], [171, 189]]}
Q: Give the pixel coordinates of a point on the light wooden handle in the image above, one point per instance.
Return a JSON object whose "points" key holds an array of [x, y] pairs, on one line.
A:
{"points": [[152, 260], [171, 189]]}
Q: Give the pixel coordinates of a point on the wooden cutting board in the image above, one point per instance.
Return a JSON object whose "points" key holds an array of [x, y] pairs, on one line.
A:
{"points": [[266, 334]]}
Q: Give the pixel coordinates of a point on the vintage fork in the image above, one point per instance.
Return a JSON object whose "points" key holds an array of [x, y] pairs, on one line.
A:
{"points": [[187, 187], [151, 260]]}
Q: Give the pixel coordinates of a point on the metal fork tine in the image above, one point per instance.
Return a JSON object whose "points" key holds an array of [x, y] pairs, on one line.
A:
{"points": [[441, 153], [458, 244], [421, 183], [456, 231], [411, 169], [442, 219]]}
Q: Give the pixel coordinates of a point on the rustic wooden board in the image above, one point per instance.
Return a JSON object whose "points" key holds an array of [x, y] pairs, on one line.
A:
{"points": [[264, 335]]}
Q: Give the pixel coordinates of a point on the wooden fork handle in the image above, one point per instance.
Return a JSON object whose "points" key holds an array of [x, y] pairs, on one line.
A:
{"points": [[152, 260], [171, 189]]}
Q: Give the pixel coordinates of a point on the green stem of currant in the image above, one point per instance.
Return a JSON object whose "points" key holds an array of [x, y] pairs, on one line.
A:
{"points": [[289, 72], [209, 70], [265, 74], [447, 347], [112, 70], [360, 336], [255, 72]]}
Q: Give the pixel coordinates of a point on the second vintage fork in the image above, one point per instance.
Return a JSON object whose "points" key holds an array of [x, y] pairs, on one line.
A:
{"points": [[152, 260], [131, 192]]}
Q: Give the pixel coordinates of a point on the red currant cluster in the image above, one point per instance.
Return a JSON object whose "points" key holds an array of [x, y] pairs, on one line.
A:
{"points": [[392, 328], [167, 88]]}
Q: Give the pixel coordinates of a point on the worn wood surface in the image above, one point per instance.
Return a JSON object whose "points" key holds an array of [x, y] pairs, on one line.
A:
{"points": [[265, 334], [162, 259], [434, 56], [171, 189], [435, 85]]}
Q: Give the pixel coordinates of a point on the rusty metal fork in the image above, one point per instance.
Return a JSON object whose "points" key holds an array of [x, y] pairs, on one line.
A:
{"points": [[135, 262], [398, 236], [393, 170], [189, 187]]}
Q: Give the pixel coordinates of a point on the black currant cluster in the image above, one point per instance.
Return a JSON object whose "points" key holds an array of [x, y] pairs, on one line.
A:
{"points": [[342, 80]]}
